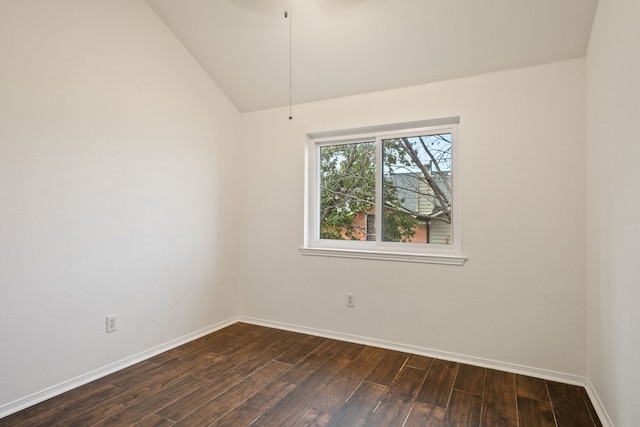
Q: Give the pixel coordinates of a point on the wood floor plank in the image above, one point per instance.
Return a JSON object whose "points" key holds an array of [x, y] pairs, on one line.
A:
{"points": [[253, 363], [89, 417], [220, 384], [350, 351], [161, 378], [287, 342], [192, 401], [138, 401], [406, 384], [152, 420], [438, 385], [470, 378], [150, 384], [190, 365], [388, 368], [533, 388], [390, 412], [569, 405], [241, 329], [464, 409], [136, 413], [230, 399], [240, 357], [348, 380], [236, 344], [171, 355], [435, 422], [42, 413], [299, 398], [278, 336], [312, 361], [499, 399], [310, 417], [358, 409], [302, 349], [201, 345], [194, 353], [238, 329], [535, 413], [76, 412], [11, 421], [252, 408], [247, 341], [397, 402], [419, 362], [126, 377], [156, 379], [423, 414]]}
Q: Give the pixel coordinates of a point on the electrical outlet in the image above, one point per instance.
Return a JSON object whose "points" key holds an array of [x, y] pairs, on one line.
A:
{"points": [[351, 299], [111, 323]]}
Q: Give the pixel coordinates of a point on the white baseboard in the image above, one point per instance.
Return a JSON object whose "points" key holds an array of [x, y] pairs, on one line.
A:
{"points": [[65, 386], [597, 405], [454, 357]]}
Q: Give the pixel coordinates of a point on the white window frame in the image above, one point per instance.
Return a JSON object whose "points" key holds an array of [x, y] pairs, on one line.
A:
{"points": [[379, 250]]}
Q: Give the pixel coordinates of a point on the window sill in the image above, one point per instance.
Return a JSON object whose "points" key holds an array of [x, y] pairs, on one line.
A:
{"points": [[386, 256]]}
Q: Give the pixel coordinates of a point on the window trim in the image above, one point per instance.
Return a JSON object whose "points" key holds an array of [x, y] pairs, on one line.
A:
{"points": [[387, 251]]}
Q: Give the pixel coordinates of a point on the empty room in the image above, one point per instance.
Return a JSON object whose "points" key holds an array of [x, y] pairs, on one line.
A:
{"points": [[319, 212]]}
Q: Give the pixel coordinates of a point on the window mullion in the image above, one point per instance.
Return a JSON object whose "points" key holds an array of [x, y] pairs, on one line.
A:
{"points": [[316, 192], [379, 196]]}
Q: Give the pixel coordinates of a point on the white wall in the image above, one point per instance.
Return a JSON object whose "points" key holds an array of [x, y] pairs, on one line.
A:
{"points": [[115, 154], [613, 208], [521, 296]]}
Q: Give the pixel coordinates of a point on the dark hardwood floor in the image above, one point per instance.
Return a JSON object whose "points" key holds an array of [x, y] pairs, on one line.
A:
{"points": [[247, 375]]}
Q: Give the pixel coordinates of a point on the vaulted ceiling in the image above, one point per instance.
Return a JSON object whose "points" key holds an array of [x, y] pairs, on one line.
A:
{"points": [[346, 47]]}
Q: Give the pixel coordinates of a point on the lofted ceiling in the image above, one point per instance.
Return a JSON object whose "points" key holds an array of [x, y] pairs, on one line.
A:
{"points": [[346, 47]]}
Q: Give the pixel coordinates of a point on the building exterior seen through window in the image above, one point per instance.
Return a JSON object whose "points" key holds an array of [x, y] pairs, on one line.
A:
{"points": [[416, 190]]}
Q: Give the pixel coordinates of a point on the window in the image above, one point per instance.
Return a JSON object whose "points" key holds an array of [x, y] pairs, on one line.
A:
{"points": [[384, 192]]}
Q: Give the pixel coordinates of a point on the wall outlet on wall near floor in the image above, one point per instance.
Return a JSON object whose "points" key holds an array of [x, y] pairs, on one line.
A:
{"points": [[351, 299], [111, 323]]}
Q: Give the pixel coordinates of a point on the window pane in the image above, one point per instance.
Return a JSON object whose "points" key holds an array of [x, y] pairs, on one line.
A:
{"points": [[347, 190], [416, 189]]}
